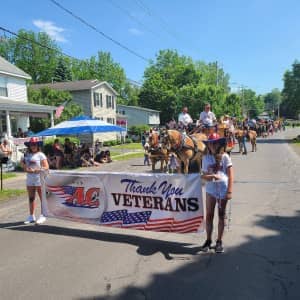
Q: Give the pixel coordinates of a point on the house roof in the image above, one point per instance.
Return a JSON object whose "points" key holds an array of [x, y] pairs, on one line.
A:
{"points": [[137, 108], [9, 69], [13, 105], [78, 85]]}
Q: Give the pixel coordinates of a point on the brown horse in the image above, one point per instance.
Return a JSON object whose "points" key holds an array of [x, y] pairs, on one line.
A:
{"points": [[223, 131], [187, 148], [157, 152], [252, 135]]}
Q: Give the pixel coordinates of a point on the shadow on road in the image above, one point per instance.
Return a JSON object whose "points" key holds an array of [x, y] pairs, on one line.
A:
{"points": [[145, 246], [274, 141], [266, 267]]}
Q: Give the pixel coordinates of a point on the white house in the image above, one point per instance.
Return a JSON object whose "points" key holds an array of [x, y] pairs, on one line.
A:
{"points": [[139, 115], [97, 99], [14, 107]]}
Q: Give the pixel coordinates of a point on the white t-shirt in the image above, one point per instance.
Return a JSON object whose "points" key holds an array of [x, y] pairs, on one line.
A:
{"points": [[217, 189], [185, 119], [207, 118], [33, 161]]}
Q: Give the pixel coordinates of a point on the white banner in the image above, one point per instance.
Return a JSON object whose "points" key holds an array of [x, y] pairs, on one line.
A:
{"points": [[158, 202]]}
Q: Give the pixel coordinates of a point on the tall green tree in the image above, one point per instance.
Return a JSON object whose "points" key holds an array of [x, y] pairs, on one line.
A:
{"points": [[291, 92], [46, 96], [252, 104], [272, 101], [62, 71], [173, 81], [25, 53]]}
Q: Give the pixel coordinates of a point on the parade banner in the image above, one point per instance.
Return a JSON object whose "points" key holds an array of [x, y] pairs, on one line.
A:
{"points": [[158, 202]]}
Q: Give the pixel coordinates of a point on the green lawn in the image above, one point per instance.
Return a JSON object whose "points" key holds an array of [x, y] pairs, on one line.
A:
{"points": [[8, 175], [128, 156], [130, 146], [7, 194]]}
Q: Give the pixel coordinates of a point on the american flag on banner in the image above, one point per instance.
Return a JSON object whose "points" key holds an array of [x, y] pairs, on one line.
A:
{"points": [[60, 109], [63, 192], [142, 221]]}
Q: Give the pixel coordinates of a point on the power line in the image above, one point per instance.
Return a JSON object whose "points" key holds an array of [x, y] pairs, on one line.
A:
{"points": [[157, 17], [132, 17], [174, 34], [80, 19], [47, 47]]}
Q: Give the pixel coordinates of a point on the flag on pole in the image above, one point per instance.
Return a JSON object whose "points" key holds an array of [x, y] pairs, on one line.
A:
{"points": [[60, 109]]}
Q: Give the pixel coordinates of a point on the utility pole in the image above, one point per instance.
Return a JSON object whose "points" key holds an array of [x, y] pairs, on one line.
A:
{"points": [[217, 74]]}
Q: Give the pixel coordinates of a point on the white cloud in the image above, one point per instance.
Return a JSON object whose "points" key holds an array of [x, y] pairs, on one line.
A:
{"points": [[135, 31], [53, 31]]}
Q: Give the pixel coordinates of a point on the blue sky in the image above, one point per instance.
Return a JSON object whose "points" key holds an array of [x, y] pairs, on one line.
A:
{"points": [[255, 41]]}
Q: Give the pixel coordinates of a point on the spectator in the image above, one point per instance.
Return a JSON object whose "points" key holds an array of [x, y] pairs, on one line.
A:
{"points": [[173, 163], [143, 138], [68, 151], [5, 148], [146, 155], [34, 161], [88, 161], [20, 133], [58, 153]]}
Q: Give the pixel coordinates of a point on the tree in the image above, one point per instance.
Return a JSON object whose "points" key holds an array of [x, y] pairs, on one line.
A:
{"points": [[291, 92], [46, 96], [62, 71], [173, 81], [26, 53], [252, 105]]}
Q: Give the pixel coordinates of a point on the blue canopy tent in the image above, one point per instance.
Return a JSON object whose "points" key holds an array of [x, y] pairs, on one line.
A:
{"points": [[80, 125]]}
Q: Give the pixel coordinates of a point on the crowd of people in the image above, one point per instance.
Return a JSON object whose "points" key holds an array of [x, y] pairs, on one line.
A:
{"points": [[73, 156]]}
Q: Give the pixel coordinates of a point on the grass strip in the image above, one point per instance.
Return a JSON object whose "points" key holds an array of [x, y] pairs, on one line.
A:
{"points": [[8, 175], [128, 156], [7, 194]]}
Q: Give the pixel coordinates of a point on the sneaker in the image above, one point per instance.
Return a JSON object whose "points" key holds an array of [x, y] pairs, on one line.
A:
{"points": [[219, 247], [206, 246], [30, 219], [41, 219]]}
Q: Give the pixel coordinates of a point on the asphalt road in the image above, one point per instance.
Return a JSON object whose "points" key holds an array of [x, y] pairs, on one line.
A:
{"points": [[65, 260]]}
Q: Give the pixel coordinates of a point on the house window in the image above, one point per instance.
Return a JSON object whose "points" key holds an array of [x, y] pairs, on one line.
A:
{"points": [[111, 120], [3, 87], [110, 102], [98, 99]]}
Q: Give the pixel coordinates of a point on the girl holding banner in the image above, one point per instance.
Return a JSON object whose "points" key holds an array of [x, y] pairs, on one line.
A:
{"points": [[34, 161], [218, 172]]}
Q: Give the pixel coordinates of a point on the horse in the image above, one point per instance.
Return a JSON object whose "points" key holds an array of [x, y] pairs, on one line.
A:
{"points": [[157, 152], [252, 135], [187, 148], [223, 131]]}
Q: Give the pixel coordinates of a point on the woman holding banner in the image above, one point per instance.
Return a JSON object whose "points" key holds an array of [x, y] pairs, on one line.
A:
{"points": [[34, 161], [218, 172]]}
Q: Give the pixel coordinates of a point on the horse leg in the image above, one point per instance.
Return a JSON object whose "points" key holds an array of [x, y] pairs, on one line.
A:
{"points": [[186, 166], [161, 164], [153, 164]]}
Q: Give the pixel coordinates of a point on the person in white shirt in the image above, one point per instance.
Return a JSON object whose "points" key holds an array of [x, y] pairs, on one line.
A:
{"points": [[33, 163], [184, 119], [207, 117]]}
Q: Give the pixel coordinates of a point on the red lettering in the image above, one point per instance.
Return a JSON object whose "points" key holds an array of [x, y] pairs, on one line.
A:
{"points": [[92, 197]]}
